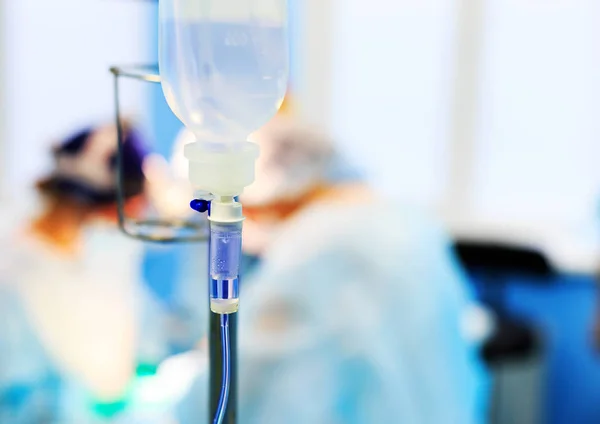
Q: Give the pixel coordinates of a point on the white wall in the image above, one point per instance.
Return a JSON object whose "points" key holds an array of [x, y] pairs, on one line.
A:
{"points": [[381, 84], [3, 158], [538, 150], [57, 55], [488, 108], [313, 52], [490, 104]]}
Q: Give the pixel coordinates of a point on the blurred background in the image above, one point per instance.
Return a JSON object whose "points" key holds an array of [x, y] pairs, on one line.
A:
{"points": [[482, 112]]}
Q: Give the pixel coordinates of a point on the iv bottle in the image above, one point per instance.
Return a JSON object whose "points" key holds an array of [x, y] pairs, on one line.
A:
{"points": [[224, 70], [223, 64]]}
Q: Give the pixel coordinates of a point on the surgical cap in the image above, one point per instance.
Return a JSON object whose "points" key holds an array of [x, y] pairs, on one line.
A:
{"points": [[85, 166], [293, 159]]}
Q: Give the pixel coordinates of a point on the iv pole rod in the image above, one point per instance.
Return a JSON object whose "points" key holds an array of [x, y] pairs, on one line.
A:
{"points": [[216, 368]]}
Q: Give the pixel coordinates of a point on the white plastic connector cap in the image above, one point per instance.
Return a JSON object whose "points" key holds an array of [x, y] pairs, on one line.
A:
{"points": [[224, 306], [226, 212], [223, 169]]}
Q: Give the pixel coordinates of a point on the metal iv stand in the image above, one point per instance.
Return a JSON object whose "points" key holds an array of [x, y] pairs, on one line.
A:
{"points": [[171, 231], [216, 367]]}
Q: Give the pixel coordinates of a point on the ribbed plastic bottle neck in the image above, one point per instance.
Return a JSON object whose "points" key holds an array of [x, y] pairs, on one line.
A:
{"points": [[223, 170]]}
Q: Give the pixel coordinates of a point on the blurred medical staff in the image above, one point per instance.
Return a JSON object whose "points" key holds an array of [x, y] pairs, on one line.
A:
{"points": [[356, 310], [71, 301]]}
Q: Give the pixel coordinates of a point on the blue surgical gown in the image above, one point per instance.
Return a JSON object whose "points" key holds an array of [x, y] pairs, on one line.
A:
{"points": [[354, 316], [37, 383]]}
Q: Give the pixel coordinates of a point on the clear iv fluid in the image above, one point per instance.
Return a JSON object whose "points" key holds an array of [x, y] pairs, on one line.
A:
{"points": [[224, 67], [223, 80]]}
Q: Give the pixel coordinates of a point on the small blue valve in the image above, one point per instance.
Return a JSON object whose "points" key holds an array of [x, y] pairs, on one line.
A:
{"points": [[200, 205]]}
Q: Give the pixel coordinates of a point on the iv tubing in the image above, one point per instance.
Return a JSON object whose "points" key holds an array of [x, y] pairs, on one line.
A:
{"points": [[224, 263], [226, 347]]}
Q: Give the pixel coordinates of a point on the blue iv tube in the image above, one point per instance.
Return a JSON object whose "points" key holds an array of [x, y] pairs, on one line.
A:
{"points": [[225, 345]]}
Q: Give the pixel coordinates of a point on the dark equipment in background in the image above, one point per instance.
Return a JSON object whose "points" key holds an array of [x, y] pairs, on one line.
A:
{"points": [[515, 351]]}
